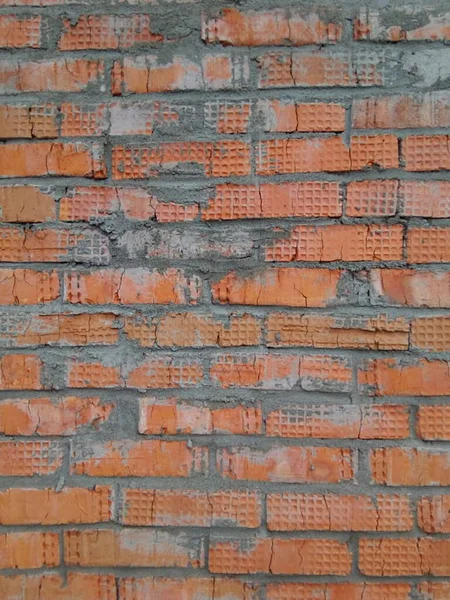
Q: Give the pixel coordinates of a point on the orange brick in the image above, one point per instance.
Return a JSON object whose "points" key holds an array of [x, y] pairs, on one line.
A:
{"points": [[268, 371], [146, 74], [333, 512], [290, 464], [372, 198], [20, 372], [269, 200], [53, 245], [402, 112], [406, 287], [433, 422], [172, 416], [434, 514], [431, 333], [339, 243], [78, 159], [277, 27], [338, 591], [131, 286], [36, 121], [26, 286], [425, 199], [60, 75], [379, 332], [28, 550], [132, 547], [192, 508], [45, 416], [280, 556], [27, 459], [212, 159], [325, 373], [83, 120], [279, 287], [426, 152], [20, 32], [92, 375], [320, 68], [428, 245], [149, 458], [49, 585], [403, 24], [377, 421], [396, 557], [25, 204], [107, 32], [409, 466], [212, 588], [47, 507], [165, 372], [432, 590], [284, 116], [397, 377]]}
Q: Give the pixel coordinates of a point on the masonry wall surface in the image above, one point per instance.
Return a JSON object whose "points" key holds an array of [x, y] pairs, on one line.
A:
{"points": [[225, 294]]}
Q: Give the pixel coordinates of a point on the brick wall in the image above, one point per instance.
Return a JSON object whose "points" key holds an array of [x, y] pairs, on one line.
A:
{"points": [[225, 324]]}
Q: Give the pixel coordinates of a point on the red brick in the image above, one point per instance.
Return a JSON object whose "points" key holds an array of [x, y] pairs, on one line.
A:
{"points": [[25, 204], [212, 588], [400, 25], [410, 466], [379, 332], [172, 416], [372, 198], [20, 32], [397, 377], [133, 548], [432, 590], [278, 27], [285, 116], [279, 287], [45, 416], [345, 421], [433, 422], [60, 75], [426, 152], [107, 32], [271, 200], [20, 372], [434, 514], [27, 459], [212, 159], [431, 333], [402, 112], [339, 243], [280, 556], [406, 287], [28, 550], [26, 286], [146, 74], [396, 557], [77, 159], [49, 585], [35, 121], [338, 591], [47, 507], [191, 508], [425, 199], [149, 458], [325, 373], [428, 245], [131, 286], [290, 464], [83, 120], [165, 372], [53, 245], [333, 512], [320, 68]]}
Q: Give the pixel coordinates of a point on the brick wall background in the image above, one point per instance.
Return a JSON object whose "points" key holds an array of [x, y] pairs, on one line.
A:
{"points": [[224, 328]]}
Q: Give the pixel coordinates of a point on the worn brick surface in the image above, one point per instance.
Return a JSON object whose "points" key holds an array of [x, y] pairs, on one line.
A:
{"points": [[224, 300]]}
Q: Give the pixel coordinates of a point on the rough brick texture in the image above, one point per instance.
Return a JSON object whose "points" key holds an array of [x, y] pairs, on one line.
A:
{"points": [[224, 300]]}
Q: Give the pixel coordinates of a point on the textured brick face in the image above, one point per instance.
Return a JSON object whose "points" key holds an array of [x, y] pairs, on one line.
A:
{"points": [[224, 300]]}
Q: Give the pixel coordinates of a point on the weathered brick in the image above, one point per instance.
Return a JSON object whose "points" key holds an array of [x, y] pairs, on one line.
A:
{"points": [[212, 588], [28, 550], [398, 26], [20, 372], [410, 466], [377, 198], [337, 591], [434, 514], [25, 204], [26, 286], [27, 459], [431, 333], [424, 199], [286, 116], [433, 422], [426, 152], [88, 586], [407, 287], [21, 32], [21, 121]]}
